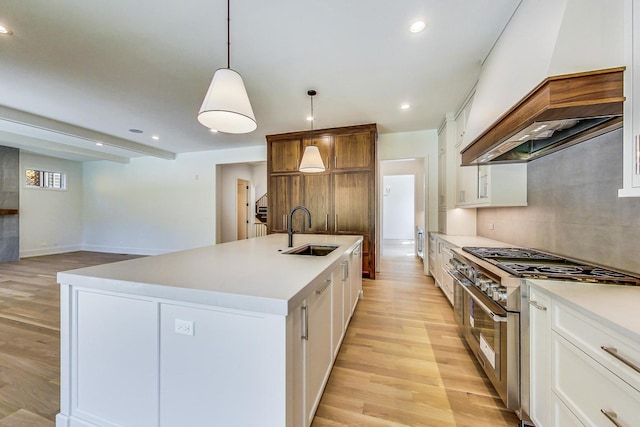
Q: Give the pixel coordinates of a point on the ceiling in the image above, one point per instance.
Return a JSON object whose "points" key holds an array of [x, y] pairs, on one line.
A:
{"points": [[77, 72]]}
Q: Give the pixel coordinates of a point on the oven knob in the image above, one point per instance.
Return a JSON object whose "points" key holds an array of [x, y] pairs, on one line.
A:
{"points": [[490, 287], [500, 294], [482, 282]]}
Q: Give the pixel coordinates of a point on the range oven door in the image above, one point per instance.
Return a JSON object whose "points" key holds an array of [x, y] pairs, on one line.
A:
{"points": [[459, 282], [486, 333]]}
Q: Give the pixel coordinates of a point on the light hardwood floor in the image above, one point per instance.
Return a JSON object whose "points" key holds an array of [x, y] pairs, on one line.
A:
{"points": [[30, 336], [402, 362]]}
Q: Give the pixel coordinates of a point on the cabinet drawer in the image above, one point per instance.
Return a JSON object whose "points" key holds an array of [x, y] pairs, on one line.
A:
{"points": [[591, 336], [562, 416], [587, 388]]}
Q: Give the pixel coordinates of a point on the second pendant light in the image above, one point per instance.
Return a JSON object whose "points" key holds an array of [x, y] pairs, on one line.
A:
{"points": [[311, 160]]}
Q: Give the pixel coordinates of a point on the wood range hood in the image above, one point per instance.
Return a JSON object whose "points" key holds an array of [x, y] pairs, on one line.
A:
{"points": [[560, 112]]}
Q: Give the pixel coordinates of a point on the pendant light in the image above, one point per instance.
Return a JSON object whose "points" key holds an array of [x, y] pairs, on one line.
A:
{"points": [[311, 160], [226, 107]]}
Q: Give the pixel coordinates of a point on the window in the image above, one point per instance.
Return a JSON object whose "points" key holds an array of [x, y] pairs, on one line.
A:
{"points": [[45, 179]]}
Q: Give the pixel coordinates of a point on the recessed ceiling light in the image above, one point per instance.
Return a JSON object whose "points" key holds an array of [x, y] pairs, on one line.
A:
{"points": [[156, 137], [5, 30], [135, 131], [417, 26], [213, 130], [99, 144], [405, 106]]}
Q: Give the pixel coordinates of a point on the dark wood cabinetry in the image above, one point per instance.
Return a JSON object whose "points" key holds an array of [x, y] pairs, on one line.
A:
{"points": [[285, 192], [342, 200]]}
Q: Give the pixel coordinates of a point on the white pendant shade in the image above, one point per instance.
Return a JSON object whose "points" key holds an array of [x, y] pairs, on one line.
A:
{"points": [[311, 160], [226, 106]]}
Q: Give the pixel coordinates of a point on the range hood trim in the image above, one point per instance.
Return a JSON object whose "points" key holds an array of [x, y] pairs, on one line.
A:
{"points": [[571, 96]]}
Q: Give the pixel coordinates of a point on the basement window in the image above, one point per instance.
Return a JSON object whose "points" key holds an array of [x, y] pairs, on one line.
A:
{"points": [[45, 179]]}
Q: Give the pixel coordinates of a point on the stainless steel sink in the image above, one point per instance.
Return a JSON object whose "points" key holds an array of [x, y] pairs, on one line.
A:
{"points": [[312, 250]]}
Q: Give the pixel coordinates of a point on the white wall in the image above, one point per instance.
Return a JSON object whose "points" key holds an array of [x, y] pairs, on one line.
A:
{"points": [[398, 207], [153, 206], [50, 220]]}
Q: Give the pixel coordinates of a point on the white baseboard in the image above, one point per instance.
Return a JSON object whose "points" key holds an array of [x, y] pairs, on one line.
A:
{"points": [[49, 251], [92, 248], [124, 250]]}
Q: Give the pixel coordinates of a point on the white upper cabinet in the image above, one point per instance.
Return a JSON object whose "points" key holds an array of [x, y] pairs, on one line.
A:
{"points": [[631, 133], [486, 185]]}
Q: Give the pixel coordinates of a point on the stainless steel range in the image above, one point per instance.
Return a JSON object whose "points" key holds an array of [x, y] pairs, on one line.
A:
{"points": [[492, 308]]}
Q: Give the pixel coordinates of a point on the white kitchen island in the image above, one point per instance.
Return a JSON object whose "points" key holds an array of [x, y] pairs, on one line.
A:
{"points": [[236, 334]]}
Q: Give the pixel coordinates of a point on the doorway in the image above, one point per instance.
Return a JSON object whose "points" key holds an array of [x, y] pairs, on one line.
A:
{"points": [[398, 215], [412, 207], [242, 209]]}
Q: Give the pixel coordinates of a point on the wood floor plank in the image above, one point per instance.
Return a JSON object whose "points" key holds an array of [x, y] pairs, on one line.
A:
{"points": [[24, 418]]}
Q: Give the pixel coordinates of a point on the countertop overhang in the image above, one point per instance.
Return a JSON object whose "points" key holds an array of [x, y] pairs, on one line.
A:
{"points": [[250, 274]]}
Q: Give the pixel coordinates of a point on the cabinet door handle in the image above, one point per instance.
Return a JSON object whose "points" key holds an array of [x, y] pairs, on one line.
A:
{"points": [[335, 224], [326, 286], [326, 222], [305, 322], [614, 352], [346, 270], [335, 162], [538, 306], [611, 416]]}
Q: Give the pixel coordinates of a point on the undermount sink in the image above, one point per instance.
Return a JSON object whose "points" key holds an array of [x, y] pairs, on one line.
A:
{"points": [[312, 250]]}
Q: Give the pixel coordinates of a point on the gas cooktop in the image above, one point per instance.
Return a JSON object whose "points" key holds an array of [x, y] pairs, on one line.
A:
{"points": [[530, 263], [510, 253]]}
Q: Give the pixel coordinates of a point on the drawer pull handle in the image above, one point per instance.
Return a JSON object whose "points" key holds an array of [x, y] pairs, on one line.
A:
{"points": [[538, 306], [614, 352], [611, 416], [321, 291]]}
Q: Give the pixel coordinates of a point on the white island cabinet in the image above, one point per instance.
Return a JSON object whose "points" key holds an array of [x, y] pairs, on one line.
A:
{"points": [[236, 334]]}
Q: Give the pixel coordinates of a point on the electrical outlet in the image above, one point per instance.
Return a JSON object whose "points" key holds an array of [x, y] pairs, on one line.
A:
{"points": [[491, 227], [184, 327]]}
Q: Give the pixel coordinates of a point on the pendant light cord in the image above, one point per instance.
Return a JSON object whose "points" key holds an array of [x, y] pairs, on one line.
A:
{"points": [[228, 35]]}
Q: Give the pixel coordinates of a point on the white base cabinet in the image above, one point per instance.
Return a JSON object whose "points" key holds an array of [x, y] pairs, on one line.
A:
{"points": [[574, 380], [439, 256], [540, 336]]}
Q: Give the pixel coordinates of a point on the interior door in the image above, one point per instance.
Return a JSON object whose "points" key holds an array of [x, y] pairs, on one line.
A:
{"points": [[242, 209]]}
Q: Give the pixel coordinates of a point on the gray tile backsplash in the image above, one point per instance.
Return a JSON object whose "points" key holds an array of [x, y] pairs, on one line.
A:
{"points": [[573, 207]]}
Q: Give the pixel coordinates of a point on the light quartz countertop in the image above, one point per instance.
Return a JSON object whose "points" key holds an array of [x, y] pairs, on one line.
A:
{"points": [[615, 306], [461, 241], [250, 274]]}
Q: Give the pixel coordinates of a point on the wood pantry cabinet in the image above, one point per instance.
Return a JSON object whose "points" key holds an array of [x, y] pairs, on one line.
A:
{"points": [[342, 200]]}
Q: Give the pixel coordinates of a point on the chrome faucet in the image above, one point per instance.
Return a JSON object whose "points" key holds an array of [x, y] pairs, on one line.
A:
{"points": [[290, 225]]}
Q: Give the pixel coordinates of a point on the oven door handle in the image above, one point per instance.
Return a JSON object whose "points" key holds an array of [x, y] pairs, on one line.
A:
{"points": [[451, 272], [496, 317]]}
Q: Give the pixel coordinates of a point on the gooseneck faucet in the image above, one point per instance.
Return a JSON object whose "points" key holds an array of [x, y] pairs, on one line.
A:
{"points": [[290, 224]]}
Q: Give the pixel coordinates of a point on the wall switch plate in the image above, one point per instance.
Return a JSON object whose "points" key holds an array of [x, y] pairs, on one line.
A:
{"points": [[184, 327], [491, 226]]}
